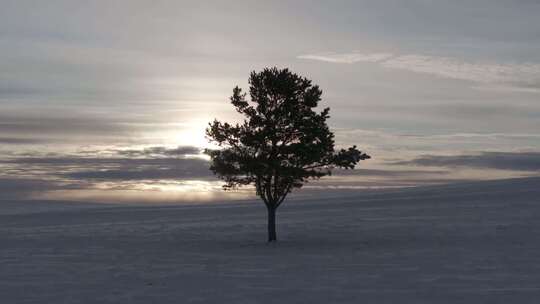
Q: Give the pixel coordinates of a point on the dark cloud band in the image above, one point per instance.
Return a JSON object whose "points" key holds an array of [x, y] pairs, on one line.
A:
{"points": [[519, 161]]}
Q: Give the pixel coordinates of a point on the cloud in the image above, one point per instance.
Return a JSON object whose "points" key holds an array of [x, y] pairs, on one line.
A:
{"points": [[24, 187], [456, 69], [19, 140], [347, 58], [155, 163], [155, 169], [41, 127], [521, 75], [518, 161], [161, 151], [387, 173]]}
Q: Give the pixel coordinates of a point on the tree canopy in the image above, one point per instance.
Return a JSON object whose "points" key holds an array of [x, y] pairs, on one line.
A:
{"points": [[282, 142]]}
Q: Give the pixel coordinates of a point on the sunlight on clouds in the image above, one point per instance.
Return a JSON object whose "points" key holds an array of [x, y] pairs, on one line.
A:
{"points": [[183, 186], [159, 192]]}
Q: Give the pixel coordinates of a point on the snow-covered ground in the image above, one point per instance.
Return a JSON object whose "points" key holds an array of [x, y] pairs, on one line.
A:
{"points": [[464, 243]]}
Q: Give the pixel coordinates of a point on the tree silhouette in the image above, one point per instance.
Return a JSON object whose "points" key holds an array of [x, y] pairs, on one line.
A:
{"points": [[282, 142]]}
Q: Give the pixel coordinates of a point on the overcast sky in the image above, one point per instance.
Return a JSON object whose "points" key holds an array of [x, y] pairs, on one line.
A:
{"points": [[97, 96]]}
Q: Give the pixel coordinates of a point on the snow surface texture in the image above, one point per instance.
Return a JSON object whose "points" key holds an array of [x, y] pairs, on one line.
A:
{"points": [[465, 243]]}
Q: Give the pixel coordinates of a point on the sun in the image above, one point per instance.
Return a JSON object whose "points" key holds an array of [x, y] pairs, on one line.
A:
{"points": [[190, 133], [192, 137]]}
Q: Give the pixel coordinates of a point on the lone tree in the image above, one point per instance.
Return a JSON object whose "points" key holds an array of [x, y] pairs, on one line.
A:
{"points": [[282, 142]]}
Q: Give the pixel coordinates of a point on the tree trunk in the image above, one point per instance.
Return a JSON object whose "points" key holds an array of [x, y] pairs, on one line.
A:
{"points": [[272, 224]]}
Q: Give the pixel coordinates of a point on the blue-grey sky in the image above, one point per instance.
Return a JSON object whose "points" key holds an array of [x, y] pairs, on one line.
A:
{"points": [[111, 98]]}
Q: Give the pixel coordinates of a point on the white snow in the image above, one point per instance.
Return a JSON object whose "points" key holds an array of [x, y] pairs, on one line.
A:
{"points": [[463, 243]]}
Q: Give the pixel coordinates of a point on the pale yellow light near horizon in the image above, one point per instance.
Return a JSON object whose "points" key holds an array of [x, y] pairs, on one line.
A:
{"points": [[193, 136], [190, 133]]}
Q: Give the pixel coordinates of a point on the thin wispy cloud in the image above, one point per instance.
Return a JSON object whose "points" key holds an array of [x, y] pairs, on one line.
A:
{"points": [[347, 58], [457, 69], [522, 75]]}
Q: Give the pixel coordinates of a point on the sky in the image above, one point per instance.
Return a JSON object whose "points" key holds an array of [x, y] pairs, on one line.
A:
{"points": [[108, 100]]}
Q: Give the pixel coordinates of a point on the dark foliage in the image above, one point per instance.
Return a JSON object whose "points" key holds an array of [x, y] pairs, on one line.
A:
{"points": [[282, 142]]}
